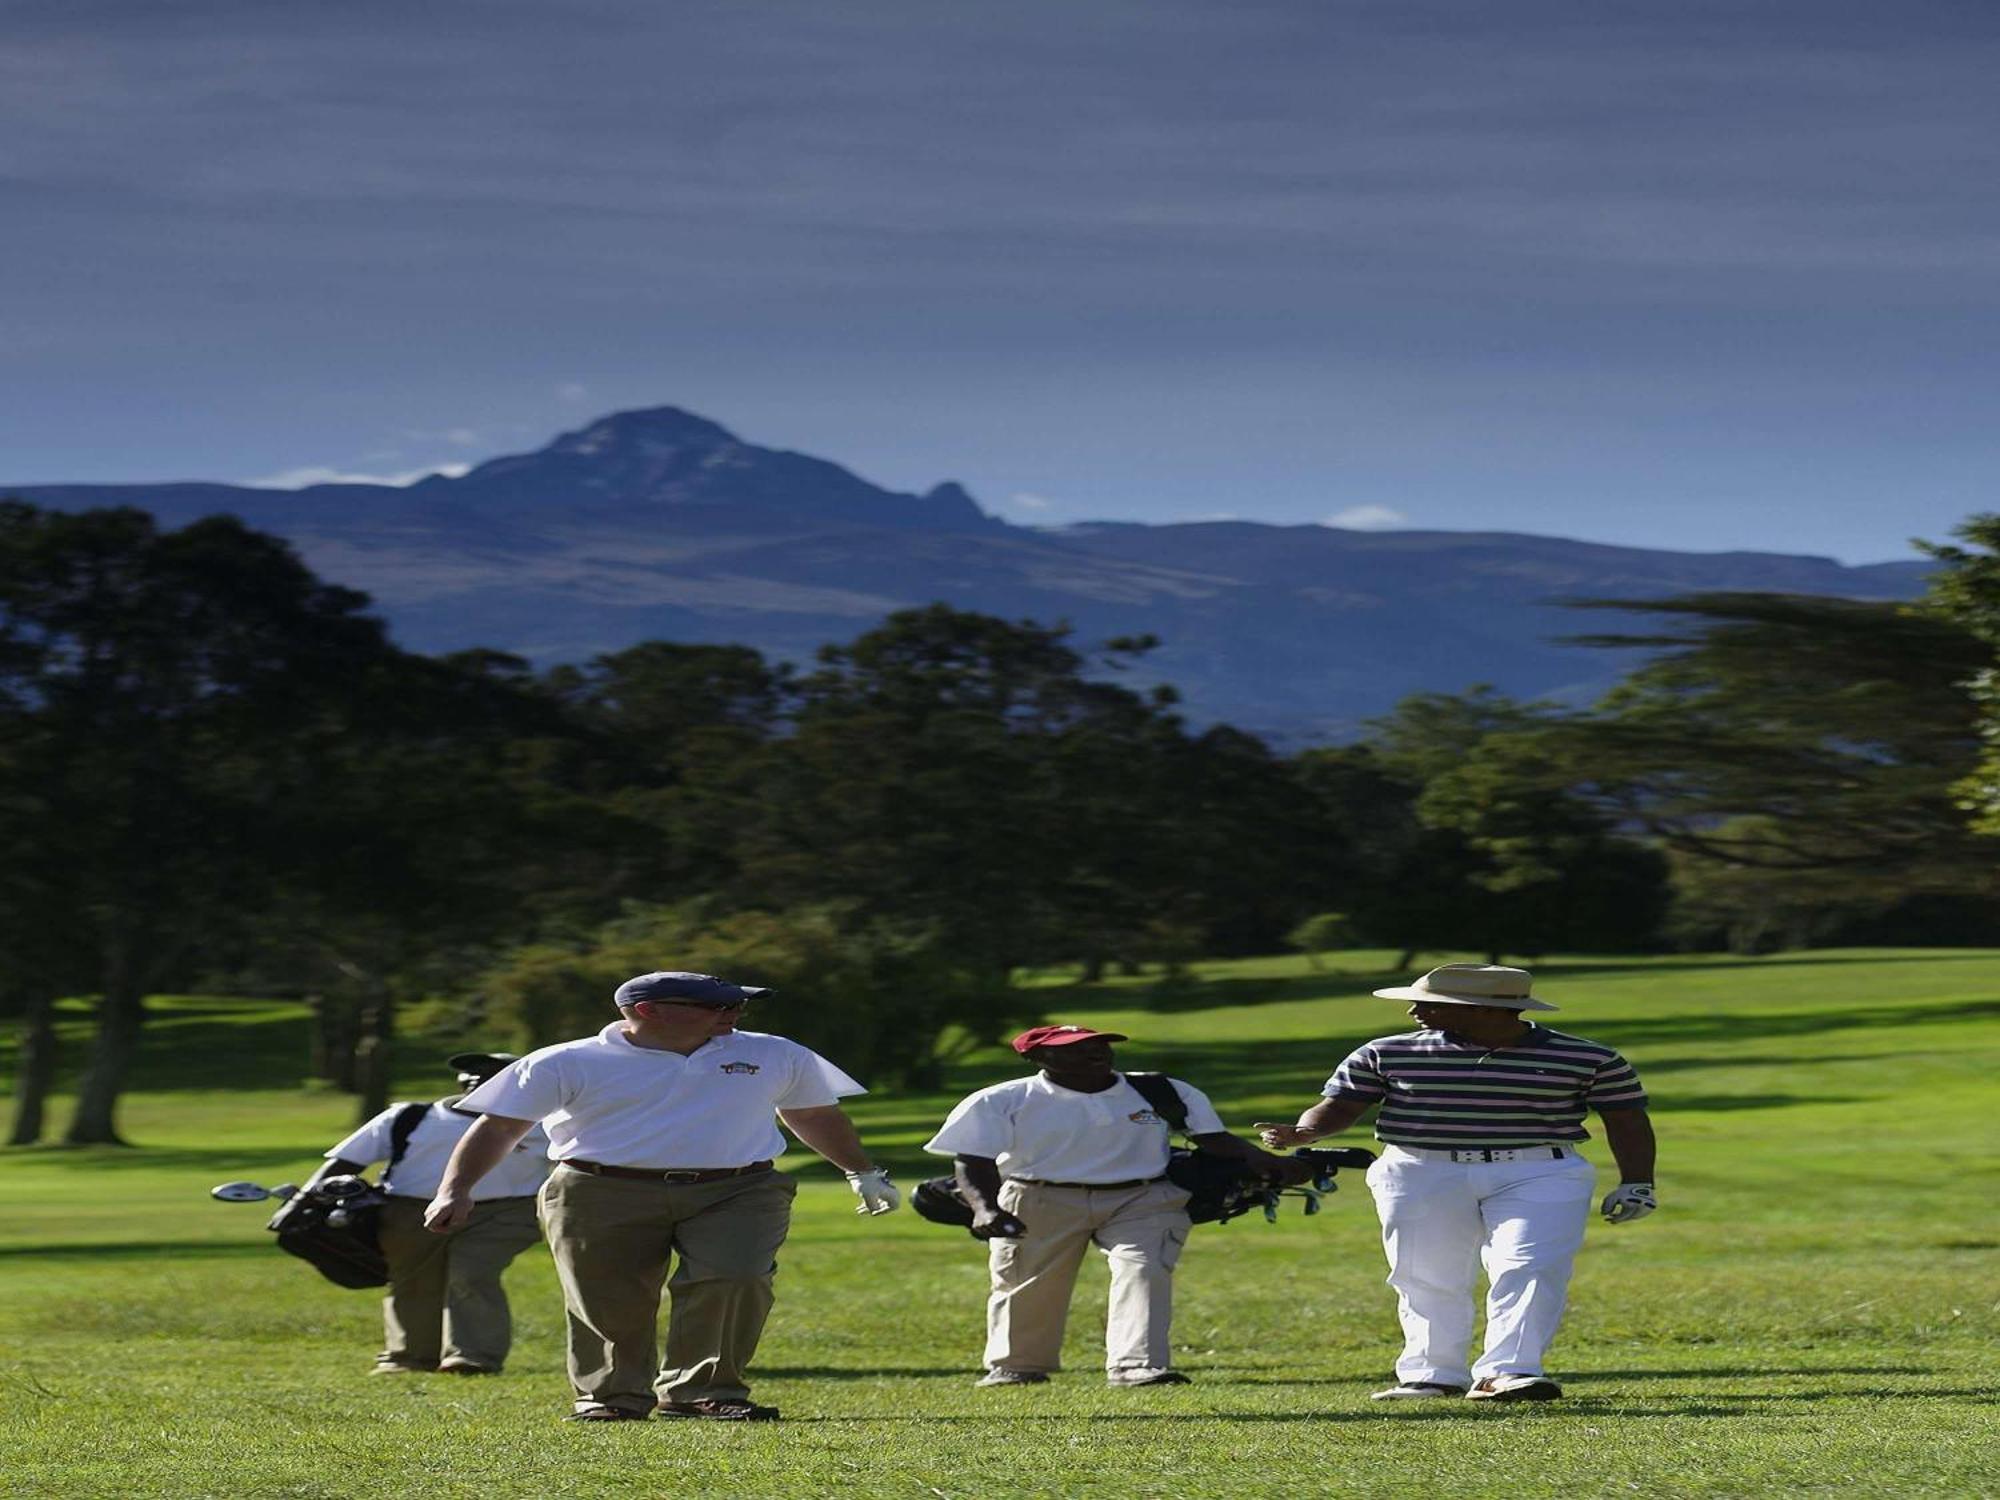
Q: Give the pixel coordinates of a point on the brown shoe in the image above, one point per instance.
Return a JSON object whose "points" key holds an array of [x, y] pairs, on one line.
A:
{"points": [[717, 1410], [599, 1412]]}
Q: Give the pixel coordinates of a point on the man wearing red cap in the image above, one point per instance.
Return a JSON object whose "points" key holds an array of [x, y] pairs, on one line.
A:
{"points": [[1072, 1157]]}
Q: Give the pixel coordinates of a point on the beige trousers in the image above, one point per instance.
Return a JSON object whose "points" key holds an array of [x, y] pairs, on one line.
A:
{"points": [[445, 1302], [1140, 1230], [613, 1238]]}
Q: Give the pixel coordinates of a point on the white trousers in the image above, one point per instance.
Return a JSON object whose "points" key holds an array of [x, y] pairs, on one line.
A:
{"points": [[1442, 1220]]}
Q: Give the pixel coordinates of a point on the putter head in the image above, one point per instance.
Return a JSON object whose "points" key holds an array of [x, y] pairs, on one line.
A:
{"points": [[240, 1192]]}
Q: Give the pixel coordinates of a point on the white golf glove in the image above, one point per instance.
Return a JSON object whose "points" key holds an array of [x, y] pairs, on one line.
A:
{"points": [[1628, 1201], [877, 1193]]}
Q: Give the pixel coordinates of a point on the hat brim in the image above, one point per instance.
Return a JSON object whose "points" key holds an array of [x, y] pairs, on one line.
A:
{"points": [[1072, 1040], [1433, 997]]}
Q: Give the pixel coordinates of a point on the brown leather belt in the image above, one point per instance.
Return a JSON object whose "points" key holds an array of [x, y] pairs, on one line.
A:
{"points": [[1094, 1186], [666, 1174]]}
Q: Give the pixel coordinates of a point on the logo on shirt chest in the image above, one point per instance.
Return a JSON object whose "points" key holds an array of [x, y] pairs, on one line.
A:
{"points": [[739, 1067], [1144, 1117]]}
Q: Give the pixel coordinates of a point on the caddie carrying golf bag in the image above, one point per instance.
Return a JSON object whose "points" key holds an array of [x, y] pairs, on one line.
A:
{"points": [[332, 1225], [1219, 1187]]}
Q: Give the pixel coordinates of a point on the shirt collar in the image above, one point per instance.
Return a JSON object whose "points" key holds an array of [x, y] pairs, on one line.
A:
{"points": [[614, 1036]]}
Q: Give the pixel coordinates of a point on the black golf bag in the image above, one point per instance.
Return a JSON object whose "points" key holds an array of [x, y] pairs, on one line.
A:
{"points": [[333, 1225]]}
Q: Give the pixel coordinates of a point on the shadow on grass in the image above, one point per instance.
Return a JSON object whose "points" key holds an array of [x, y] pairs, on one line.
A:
{"points": [[876, 1372], [1715, 1372], [135, 1250], [1722, 1103], [1234, 1068], [206, 1162], [1176, 993]]}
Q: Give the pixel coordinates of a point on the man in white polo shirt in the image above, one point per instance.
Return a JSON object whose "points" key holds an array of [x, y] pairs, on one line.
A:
{"points": [[1482, 1112], [1083, 1155], [445, 1309], [662, 1126]]}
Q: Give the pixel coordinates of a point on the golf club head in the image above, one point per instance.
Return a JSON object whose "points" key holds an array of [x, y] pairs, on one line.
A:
{"points": [[241, 1192]]}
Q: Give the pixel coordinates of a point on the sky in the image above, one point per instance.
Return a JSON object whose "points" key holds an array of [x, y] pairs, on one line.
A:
{"points": [[1709, 276]]}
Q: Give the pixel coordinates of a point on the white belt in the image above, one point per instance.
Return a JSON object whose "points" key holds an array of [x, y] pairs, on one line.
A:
{"points": [[1487, 1154]]}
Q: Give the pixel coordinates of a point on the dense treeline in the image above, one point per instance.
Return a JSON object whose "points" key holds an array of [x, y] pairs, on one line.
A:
{"points": [[216, 770]]}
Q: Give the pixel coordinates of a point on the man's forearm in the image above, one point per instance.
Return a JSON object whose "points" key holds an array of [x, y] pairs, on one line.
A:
{"points": [[1629, 1134], [479, 1151], [1331, 1116], [827, 1130], [979, 1179]]}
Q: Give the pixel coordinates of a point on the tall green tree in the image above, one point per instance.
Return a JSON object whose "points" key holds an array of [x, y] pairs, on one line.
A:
{"points": [[1966, 591], [147, 676]]}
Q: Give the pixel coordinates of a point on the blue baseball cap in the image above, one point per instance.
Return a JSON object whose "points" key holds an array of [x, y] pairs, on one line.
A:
{"points": [[689, 989]]}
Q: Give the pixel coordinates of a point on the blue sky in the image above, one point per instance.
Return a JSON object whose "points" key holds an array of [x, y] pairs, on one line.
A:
{"points": [[1702, 275]]}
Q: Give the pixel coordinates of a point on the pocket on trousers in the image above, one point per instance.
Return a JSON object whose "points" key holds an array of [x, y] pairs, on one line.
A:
{"points": [[1566, 1186]]}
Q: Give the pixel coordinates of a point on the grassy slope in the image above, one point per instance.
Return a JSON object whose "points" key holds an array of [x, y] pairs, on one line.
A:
{"points": [[1813, 1309]]}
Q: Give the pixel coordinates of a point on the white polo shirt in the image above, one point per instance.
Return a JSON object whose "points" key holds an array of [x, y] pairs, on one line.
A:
{"points": [[1035, 1128], [605, 1099], [437, 1134]]}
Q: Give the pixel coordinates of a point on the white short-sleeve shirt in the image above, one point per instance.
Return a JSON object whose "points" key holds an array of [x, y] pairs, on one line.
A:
{"points": [[1037, 1129], [607, 1100], [437, 1134]]}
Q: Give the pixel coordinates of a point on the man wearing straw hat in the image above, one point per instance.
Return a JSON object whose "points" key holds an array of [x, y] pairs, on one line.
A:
{"points": [[1481, 1114]]}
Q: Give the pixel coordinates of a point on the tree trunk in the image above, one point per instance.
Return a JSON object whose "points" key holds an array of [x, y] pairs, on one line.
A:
{"points": [[121, 1015], [37, 1071], [1406, 959], [1093, 969], [374, 1054], [334, 1041]]}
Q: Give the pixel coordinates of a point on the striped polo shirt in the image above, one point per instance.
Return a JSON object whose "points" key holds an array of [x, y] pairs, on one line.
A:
{"points": [[1439, 1092]]}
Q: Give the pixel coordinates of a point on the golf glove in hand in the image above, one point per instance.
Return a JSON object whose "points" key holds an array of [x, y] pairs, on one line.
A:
{"points": [[877, 1193], [1628, 1201]]}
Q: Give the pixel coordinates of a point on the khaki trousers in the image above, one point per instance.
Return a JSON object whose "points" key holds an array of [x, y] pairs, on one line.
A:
{"points": [[445, 1302], [1140, 1230], [613, 1238]]}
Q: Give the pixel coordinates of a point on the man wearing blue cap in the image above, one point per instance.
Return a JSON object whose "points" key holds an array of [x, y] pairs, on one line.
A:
{"points": [[662, 1128]]}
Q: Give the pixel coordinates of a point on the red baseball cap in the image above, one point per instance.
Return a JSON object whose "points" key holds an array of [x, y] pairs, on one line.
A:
{"points": [[1062, 1036]]}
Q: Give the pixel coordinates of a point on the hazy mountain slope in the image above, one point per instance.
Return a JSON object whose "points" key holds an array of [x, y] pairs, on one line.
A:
{"points": [[661, 524]]}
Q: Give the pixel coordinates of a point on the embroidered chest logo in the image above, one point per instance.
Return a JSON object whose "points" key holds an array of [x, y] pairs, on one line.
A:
{"points": [[739, 1067], [1143, 1117]]}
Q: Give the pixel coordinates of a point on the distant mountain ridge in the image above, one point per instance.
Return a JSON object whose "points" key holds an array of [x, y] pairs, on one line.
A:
{"points": [[661, 524]]}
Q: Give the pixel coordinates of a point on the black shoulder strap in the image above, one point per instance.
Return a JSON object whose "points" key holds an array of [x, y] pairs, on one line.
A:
{"points": [[1158, 1090], [408, 1118]]}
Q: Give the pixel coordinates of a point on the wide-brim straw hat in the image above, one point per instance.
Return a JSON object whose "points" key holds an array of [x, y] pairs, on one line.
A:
{"points": [[1472, 984]]}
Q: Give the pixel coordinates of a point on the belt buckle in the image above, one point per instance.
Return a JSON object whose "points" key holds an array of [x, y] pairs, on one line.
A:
{"points": [[681, 1174]]}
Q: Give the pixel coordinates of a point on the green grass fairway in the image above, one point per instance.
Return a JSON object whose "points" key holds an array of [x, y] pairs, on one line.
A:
{"points": [[1813, 1310]]}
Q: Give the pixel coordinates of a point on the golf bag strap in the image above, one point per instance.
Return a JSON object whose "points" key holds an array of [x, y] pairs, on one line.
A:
{"points": [[408, 1118], [1158, 1090]]}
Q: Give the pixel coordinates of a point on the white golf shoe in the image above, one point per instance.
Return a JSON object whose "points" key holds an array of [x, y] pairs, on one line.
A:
{"points": [[1418, 1390]]}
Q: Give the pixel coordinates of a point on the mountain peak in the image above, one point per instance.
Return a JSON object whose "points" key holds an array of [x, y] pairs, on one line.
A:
{"points": [[647, 427]]}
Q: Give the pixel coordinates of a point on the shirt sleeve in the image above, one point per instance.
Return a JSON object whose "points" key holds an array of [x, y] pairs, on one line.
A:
{"points": [[1201, 1116], [978, 1126], [1359, 1077], [531, 1088], [816, 1083], [1616, 1086], [368, 1144]]}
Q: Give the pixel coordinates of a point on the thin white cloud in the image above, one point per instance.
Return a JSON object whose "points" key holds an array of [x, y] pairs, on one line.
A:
{"points": [[572, 392], [1367, 518], [298, 479], [1027, 500]]}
